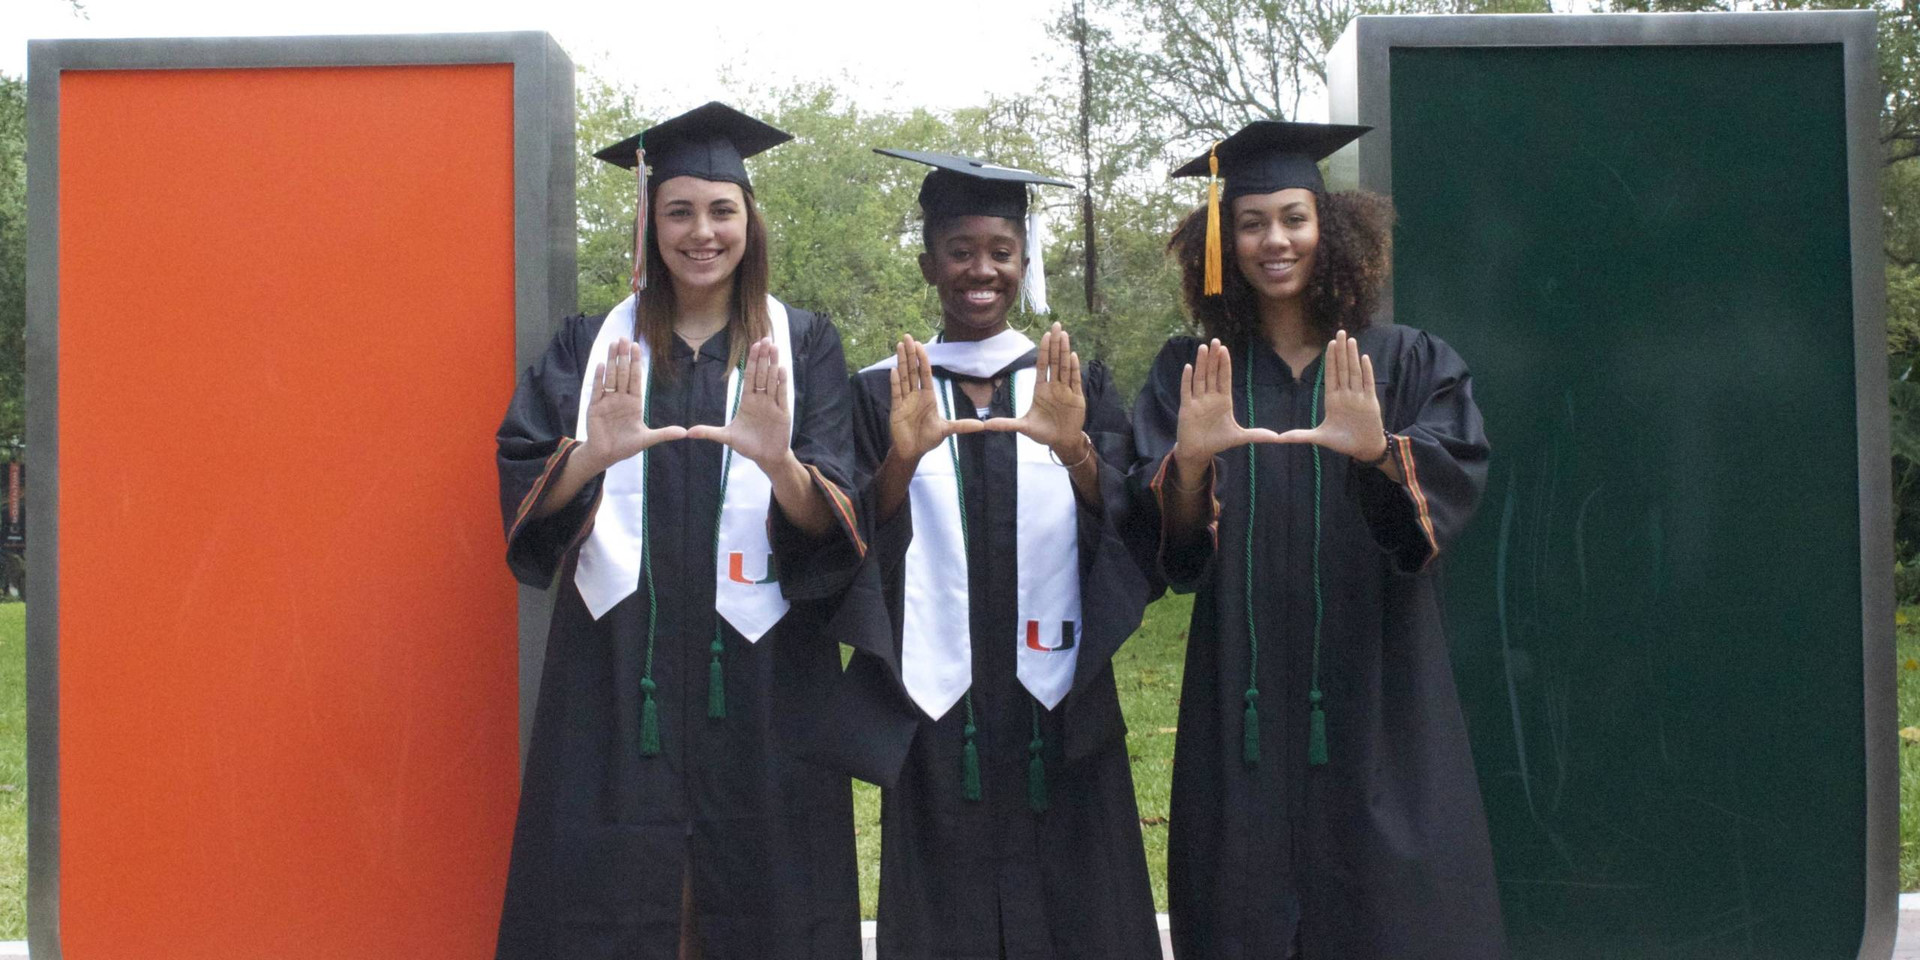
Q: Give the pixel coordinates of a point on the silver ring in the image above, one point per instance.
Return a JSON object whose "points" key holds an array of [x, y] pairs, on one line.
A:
{"points": [[610, 390]]}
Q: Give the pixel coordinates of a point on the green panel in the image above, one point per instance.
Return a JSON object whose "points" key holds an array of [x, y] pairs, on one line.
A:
{"points": [[1655, 619]]}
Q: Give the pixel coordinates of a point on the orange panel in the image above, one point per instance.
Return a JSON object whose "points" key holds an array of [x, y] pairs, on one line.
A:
{"points": [[287, 638]]}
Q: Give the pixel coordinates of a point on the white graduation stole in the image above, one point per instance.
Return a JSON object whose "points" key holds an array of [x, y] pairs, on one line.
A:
{"points": [[746, 592], [936, 632]]}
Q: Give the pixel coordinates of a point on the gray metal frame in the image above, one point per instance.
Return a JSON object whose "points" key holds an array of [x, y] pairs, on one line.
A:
{"points": [[1359, 81], [544, 291]]}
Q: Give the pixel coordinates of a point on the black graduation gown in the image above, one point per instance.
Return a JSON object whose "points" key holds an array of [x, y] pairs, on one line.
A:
{"points": [[605, 835], [993, 878], [1382, 853]]}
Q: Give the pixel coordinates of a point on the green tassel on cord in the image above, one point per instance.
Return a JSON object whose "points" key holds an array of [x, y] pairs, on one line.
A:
{"points": [[716, 683], [649, 721], [1036, 776], [970, 768], [1317, 734], [1250, 737]]}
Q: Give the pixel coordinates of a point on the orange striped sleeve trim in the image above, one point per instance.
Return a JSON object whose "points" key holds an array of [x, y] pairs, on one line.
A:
{"points": [[842, 505], [1160, 499], [593, 510], [554, 460], [1404, 446]]}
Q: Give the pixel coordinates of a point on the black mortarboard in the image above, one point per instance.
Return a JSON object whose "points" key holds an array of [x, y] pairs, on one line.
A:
{"points": [[1270, 155], [1265, 156], [709, 142], [963, 187]]}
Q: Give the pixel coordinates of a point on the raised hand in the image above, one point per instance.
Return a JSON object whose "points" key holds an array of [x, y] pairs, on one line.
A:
{"points": [[915, 420], [1206, 426], [616, 421], [759, 430], [1058, 415], [1352, 422]]}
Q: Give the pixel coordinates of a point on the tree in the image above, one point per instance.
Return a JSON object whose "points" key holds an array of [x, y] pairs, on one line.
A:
{"points": [[843, 223], [13, 256]]}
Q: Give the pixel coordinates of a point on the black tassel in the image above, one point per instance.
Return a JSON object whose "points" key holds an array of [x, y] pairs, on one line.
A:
{"points": [[716, 684], [970, 768], [1317, 734], [1250, 737], [649, 721], [1036, 776]]}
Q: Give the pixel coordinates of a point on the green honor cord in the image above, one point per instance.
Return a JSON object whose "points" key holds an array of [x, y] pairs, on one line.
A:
{"points": [[649, 711], [716, 676], [1317, 720], [969, 752], [716, 682]]}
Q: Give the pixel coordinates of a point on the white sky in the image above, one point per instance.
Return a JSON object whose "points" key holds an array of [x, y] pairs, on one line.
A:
{"points": [[885, 54]]}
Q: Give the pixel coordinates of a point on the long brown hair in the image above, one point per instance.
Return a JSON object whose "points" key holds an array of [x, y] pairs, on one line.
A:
{"points": [[1349, 269], [747, 320]]}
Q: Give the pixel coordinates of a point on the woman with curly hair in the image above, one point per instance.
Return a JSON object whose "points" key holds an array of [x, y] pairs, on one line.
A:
{"points": [[1324, 799]]}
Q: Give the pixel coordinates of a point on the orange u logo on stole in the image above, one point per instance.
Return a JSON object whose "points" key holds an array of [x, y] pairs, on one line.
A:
{"points": [[1033, 637], [737, 569]]}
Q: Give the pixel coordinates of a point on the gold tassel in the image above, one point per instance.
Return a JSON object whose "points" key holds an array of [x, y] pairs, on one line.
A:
{"points": [[1213, 283]]}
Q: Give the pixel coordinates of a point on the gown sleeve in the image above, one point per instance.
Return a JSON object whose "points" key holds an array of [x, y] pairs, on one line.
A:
{"points": [[1442, 450], [1180, 560], [871, 724], [532, 445], [872, 441], [815, 568], [1114, 590]]}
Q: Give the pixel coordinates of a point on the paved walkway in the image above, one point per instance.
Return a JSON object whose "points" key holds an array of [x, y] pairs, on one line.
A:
{"points": [[1906, 943]]}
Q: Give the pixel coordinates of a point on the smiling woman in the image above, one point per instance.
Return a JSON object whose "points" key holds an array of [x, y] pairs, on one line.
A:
{"points": [[981, 695], [1324, 801], [681, 464]]}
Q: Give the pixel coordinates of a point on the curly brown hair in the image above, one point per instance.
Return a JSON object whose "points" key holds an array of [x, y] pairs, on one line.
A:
{"points": [[1349, 270]]}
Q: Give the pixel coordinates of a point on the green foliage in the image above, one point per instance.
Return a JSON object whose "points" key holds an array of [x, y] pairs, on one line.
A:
{"points": [[603, 194], [13, 255], [1907, 667], [1903, 387], [845, 222]]}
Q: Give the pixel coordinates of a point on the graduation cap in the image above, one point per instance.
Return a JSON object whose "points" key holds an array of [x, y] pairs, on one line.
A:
{"points": [[964, 187], [711, 142], [1263, 157]]}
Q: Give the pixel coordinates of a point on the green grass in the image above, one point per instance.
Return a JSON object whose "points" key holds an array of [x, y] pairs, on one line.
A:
{"points": [[1907, 652], [13, 771], [1147, 671]]}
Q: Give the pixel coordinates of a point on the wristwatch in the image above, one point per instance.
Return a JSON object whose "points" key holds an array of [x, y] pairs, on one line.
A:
{"points": [[1381, 460]]}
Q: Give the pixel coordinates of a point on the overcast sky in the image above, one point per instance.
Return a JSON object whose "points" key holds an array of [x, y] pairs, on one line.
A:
{"points": [[884, 53]]}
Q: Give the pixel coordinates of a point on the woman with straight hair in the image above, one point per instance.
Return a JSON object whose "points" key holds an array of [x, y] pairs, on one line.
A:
{"points": [[1304, 469], [681, 464]]}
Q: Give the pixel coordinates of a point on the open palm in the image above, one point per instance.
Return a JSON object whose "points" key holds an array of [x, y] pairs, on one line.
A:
{"points": [[1352, 421], [1207, 426], [616, 415], [760, 428], [1058, 413], [915, 420]]}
